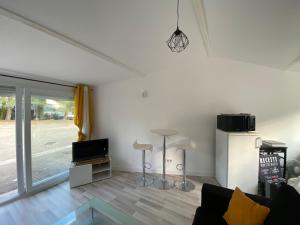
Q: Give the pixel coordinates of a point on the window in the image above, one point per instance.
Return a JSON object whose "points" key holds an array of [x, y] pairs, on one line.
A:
{"points": [[8, 167], [52, 134], [36, 133]]}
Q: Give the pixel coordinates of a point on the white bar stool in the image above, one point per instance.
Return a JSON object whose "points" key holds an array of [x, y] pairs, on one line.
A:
{"points": [[143, 180], [184, 184]]}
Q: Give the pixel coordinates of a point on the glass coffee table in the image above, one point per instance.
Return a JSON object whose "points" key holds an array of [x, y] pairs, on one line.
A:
{"points": [[96, 212]]}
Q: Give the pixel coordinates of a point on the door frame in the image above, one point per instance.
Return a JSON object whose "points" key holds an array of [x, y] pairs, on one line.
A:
{"points": [[19, 140], [23, 93], [57, 178]]}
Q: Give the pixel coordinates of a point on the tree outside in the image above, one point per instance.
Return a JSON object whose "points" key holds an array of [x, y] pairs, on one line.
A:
{"points": [[41, 108], [50, 109], [7, 107]]}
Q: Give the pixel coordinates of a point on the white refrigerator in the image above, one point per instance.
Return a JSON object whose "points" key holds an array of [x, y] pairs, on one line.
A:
{"points": [[237, 160]]}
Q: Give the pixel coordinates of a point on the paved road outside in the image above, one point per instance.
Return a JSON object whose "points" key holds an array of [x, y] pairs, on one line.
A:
{"points": [[51, 142]]}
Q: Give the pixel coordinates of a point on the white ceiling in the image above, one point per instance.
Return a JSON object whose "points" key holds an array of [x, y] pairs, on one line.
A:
{"points": [[23, 49], [133, 32], [265, 32]]}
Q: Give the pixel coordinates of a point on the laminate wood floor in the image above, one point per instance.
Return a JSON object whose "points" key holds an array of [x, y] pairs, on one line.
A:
{"points": [[149, 205]]}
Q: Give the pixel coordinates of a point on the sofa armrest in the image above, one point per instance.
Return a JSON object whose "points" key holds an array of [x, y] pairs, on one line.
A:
{"points": [[215, 198]]}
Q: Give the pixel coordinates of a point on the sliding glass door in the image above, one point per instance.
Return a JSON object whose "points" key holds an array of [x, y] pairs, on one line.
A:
{"points": [[52, 134], [11, 165], [36, 135]]}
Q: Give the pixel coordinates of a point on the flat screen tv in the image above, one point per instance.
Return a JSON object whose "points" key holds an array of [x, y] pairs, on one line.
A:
{"points": [[85, 150]]}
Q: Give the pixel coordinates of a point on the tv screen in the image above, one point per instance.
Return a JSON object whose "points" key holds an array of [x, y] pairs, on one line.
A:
{"points": [[85, 150]]}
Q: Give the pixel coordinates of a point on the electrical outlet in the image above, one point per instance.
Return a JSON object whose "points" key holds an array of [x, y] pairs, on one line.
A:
{"points": [[169, 160]]}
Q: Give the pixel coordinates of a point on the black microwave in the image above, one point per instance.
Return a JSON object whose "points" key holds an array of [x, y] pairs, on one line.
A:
{"points": [[236, 122]]}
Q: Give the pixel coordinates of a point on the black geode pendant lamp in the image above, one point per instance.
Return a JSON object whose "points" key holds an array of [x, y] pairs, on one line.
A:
{"points": [[178, 41]]}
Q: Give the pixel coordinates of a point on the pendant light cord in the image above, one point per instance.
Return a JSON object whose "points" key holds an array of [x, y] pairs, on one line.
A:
{"points": [[177, 12]]}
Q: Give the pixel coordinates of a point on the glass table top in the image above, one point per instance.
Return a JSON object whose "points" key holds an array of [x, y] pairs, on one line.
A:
{"points": [[96, 212]]}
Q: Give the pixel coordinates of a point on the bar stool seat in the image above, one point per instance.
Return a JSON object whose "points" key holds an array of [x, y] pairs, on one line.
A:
{"points": [[142, 147], [144, 180], [186, 146], [184, 184]]}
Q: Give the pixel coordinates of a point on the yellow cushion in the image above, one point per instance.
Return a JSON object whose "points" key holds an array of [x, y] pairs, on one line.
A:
{"points": [[244, 211]]}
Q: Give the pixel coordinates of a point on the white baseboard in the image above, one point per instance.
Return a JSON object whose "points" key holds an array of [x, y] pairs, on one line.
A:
{"points": [[189, 173]]}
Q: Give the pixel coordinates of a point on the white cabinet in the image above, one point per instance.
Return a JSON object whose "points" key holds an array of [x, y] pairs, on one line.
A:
{"points": [[89, 171], [80, 175], [237, 160]]}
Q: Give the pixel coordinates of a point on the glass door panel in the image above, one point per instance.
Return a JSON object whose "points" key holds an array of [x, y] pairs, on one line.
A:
{"points": [[8, 165], [52, 134]]}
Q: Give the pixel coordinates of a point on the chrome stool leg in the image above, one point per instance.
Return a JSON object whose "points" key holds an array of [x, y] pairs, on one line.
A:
{"points": [[144, 169], [184, 185], [144, 180], [163, 182]]}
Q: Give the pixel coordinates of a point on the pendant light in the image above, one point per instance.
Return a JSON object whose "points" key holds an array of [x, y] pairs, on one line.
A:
{"points": [[178, 40]]}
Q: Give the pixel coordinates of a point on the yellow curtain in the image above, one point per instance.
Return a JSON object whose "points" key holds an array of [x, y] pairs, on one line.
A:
{"points": [[81, 113], [91, 115], [78, 114]]}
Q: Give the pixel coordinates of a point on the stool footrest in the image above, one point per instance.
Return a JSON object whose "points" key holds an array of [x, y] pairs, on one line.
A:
{"points": [[147, 165], [178, 165]]}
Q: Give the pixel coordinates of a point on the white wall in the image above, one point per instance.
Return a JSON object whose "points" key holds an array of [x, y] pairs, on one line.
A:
{"points": [[187, 98]]}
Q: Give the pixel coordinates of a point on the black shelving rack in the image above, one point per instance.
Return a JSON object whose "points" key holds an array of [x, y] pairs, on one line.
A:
{"points": [[281, 151], [282, 154]]}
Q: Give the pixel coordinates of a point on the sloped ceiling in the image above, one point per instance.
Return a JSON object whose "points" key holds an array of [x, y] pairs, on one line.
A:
{"points": [[25, 50], [264, 32], [132, 34]]}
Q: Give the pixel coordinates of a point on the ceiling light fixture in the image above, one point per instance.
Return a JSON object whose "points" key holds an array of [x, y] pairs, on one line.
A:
{"points": [[178, 40]]}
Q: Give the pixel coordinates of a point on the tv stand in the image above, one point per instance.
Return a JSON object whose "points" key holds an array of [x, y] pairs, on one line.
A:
{"points": [[89, 171], [95, 161]]}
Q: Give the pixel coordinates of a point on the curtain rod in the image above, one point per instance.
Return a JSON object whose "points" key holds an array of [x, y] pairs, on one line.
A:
{"points": [[29, 79]]}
